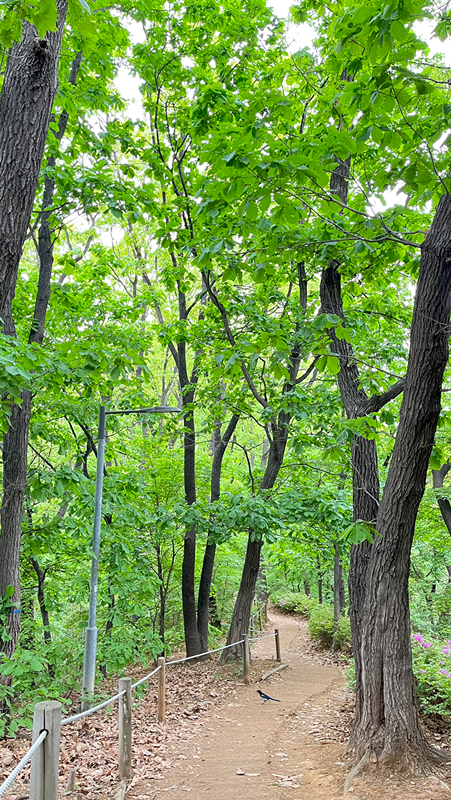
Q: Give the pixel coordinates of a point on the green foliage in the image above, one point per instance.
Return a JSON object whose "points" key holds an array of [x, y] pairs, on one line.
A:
{"points": [[306, 606], [432, 668], [321, 625], [286, 601], [321, 628]]}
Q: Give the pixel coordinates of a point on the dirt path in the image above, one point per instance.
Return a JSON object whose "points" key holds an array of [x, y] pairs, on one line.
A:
{"points": [[294, 749], [221, 742], [250, 747]]}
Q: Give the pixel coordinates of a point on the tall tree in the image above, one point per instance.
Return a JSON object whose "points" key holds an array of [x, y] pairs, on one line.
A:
{"points": [[26, 100], [387, 677]]}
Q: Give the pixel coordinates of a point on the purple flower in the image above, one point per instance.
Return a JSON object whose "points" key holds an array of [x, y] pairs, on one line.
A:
{"points": [[418, 637], [443, 672], [422, 671], [427, 644]]}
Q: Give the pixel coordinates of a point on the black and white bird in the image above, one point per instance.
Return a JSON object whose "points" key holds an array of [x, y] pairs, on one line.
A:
{"points": [[266, 697]]}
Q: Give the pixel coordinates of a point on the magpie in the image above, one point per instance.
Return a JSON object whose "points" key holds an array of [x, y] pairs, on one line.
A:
{"points": [[266, 697]]}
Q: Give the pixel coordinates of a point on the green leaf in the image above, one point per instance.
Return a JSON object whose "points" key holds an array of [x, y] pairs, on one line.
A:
{"points": [[333, 365]]}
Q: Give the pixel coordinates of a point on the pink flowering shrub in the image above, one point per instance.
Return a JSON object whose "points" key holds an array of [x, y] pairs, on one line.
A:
{"points": [[432, 668]]}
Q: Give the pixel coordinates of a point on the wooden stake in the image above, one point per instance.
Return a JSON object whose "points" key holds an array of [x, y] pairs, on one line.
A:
{"points": [[125, 729], [246, 660], [71, 780], [161, 689], [277, 637], [45, 762]]}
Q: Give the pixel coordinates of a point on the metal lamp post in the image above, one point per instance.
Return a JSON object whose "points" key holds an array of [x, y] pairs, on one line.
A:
{"points": [[89, 664]]}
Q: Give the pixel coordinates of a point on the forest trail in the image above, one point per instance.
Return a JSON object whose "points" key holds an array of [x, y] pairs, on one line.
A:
{"points": [[293, 750], [253, 749]]}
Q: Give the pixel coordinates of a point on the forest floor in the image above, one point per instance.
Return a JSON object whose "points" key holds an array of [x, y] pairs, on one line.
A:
{"points": [[221, 742]]}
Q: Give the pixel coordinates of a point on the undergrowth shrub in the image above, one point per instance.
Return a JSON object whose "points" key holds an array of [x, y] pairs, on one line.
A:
{"points": [[306, 605], [321, 625], [286, 601], [321, 628], [432, 669]]}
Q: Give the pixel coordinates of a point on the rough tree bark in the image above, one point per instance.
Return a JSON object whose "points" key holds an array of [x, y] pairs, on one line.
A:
{"points": [[203, 602], [26, 100], [365, 470], [388, 724], [39, 89]]}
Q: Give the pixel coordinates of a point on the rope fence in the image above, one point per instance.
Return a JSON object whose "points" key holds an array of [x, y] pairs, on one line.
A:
{"points": [[47, 723], [23, 763]]}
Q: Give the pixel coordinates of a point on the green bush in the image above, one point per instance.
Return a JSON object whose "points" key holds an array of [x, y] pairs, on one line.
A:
{"points": [[432, 669], [343, 637], [321, 625], [306, 605], [321, 628], [286, 601]]}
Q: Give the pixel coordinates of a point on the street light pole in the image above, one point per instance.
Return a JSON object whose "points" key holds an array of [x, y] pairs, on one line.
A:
{"points": [[89, 663]]}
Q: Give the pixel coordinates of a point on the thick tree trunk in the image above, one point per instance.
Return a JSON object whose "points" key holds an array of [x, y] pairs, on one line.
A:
{"points": [[365, 471], [26, 100], [219, 444], [15, 467], [387, 677]]}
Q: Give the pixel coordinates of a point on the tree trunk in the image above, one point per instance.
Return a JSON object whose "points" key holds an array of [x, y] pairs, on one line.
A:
{"points": [[203, 603], [15, 445], [32, 80], [320, 581], [40, 573], [26, 100], [192, 638], [365, 470], [387, 677], [438, 476], [337, 609], [243, 604]]}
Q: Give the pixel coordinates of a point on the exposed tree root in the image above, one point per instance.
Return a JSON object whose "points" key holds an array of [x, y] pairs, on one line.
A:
{"points": [[355, 771], [416, 758]]}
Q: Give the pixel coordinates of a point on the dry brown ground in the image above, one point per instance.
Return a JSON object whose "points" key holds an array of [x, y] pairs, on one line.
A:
{"points": [[221, 742]]}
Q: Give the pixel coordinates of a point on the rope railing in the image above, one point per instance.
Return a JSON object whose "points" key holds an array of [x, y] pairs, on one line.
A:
{"points": [[207, 653], [23, 763], [92, 710], [42, 730], [146, 678]]}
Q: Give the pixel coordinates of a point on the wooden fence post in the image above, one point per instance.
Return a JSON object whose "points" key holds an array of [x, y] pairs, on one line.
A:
{"points": [[246, 660], [125, 729], [260, 617], [277, 637], [45, 761], [162, 689], [266, 612]]}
